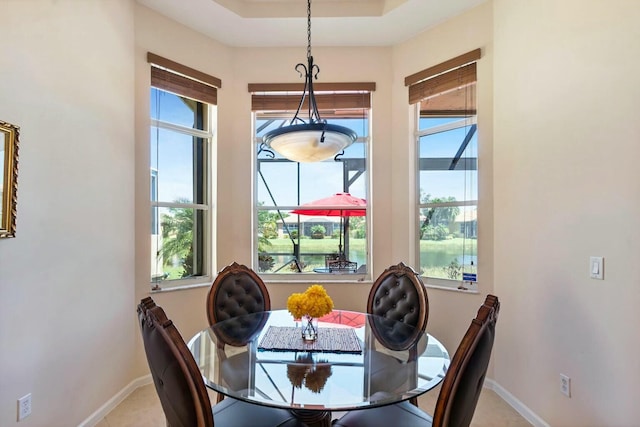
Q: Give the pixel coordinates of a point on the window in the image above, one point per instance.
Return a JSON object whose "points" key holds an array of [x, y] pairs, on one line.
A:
{"points": [[180, 176], [447, 151], [289, 243]]}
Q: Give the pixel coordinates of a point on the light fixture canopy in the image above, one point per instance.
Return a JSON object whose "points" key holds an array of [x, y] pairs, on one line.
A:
{"points": [[313, 140]]}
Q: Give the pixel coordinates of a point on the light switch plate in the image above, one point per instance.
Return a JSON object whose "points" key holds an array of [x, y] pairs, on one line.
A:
{"points": [[596, 267]]}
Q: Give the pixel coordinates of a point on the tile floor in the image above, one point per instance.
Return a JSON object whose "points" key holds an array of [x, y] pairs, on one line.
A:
{"points": [[142, 409]]}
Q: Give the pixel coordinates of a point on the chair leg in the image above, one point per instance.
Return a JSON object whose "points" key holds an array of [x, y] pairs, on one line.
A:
{"points": [[220, 397], [414, 401]]}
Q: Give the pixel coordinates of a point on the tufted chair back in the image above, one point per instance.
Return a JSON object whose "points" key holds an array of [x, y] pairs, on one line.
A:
{"points": [[461, 387], [180, 386], [399, 294], [237, 290], [176, 376]]}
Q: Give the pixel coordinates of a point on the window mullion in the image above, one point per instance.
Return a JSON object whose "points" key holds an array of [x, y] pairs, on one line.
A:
{"points": [[180, 205], [449, 204], [448, 126], [182, 129]]}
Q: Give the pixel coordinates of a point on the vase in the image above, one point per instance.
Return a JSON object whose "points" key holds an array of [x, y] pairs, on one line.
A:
{"points": [[309, 328]]}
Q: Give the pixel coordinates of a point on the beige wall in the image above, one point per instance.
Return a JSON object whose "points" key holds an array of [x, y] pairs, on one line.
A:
{"points": [[392, 153], [467, 32], [567, 186], [66, 281], [277, 65], [157, 34], [235, 149], [392, 144]]}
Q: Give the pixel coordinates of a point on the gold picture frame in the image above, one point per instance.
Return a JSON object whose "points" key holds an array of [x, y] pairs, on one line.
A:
{"points": [[9, 137]]}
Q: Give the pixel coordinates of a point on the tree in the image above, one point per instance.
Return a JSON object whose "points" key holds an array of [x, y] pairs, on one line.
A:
{"points": [[267, 229], [177, 236], [267, 226], [357, 227], [440, 216]]}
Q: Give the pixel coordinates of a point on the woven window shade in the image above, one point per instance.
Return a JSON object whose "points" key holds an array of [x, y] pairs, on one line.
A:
{"points": [[182, 80], [335, 101], [447, 77], [345, 96], [441, 83]]}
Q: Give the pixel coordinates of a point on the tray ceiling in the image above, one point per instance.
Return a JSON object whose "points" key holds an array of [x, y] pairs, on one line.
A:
{"points": [[256, 23]]}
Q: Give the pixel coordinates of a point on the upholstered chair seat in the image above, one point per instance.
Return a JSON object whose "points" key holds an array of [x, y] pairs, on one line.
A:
{"points": [[399, 300], [460, 389], [237, 290], [180, 386], [237, 332], [399, 295]]}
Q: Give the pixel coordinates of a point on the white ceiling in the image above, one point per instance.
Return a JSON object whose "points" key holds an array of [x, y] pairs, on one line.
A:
{"points": [[265, 23]]}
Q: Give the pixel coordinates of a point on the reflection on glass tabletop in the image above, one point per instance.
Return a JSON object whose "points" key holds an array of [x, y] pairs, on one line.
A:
{"points": [[359, 361]]}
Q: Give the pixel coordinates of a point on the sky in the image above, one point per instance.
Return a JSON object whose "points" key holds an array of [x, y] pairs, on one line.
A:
{"points": [[173, 160]]}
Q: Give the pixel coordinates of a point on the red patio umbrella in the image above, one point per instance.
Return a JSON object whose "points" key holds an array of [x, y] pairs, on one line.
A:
{"points": [[339, 204]]}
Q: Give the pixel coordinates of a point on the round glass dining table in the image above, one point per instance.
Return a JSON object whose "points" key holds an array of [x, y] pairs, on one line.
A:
{"points": [[359, 361]]}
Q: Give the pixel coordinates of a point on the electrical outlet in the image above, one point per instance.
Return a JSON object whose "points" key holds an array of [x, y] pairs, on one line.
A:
{"points": [[565, 385], [24, 407]]}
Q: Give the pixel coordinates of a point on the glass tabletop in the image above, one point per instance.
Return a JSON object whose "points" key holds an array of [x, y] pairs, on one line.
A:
{"points": [[359, 361]]}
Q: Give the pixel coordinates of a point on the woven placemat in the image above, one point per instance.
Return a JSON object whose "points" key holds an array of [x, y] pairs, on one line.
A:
{"points": [[287, 338]]}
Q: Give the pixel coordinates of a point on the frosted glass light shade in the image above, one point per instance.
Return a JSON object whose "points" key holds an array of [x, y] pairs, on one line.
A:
{"points": [[302, 143]]}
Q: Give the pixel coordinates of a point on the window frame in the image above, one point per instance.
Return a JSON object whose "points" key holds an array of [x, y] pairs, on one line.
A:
{"points": [[167, 76], [257, 140], [463, 122], [206, 136], [444, 89]]}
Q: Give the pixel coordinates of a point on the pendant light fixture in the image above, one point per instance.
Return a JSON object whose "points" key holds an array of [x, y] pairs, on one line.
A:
{"points": [[311, 140]]}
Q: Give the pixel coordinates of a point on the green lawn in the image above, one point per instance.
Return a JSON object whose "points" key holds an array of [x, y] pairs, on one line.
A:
{"points": [[434, 255], [312, 251]]}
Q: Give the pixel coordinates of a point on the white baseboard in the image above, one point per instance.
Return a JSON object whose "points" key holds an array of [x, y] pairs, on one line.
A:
{"points": [[102, 412], [520, 407]]}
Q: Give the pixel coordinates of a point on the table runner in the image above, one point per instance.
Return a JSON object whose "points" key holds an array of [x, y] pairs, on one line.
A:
{"points": [[288, 338]]}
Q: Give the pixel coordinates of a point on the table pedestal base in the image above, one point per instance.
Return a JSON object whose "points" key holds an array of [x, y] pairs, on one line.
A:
{"points": [[313, 418]]}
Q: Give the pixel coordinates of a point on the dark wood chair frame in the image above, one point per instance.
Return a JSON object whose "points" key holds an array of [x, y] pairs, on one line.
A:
{"points": [[486, 318], [155, 316], [480, 332], [403, 270], [180, 385], [237, 270], [233, 269]]}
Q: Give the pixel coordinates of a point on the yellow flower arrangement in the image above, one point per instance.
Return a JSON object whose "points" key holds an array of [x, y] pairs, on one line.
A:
{"points": [[314, 302]]}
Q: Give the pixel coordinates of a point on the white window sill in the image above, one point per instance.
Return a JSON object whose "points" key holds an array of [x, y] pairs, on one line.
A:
{"points": [[180, 287], [316, 278], [471, 289]]}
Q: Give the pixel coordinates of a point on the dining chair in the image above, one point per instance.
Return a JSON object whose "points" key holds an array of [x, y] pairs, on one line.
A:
{"points": [[237, 290], [180, 387], [398, 294], [460, 389]]}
